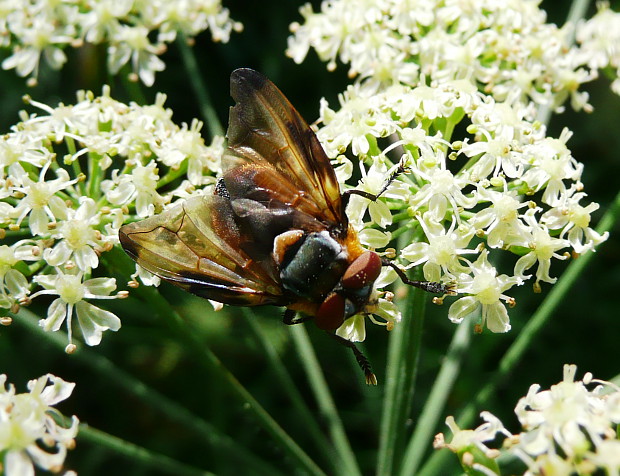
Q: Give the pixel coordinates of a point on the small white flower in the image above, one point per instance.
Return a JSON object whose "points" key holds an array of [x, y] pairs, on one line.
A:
{"points": [[440, 255], [13, 284], [552, 164], [72, 292], [372, 182], [485, 289], [132, 45], [543, 247], [40, 197], [188, 144], [78, 237], [353, 329], [40, 37], [463, 440], [501, 220], [140, 186], [441, 192], [574, 220]]}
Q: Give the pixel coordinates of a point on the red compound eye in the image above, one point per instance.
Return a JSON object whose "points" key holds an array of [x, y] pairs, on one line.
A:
{"points": [[363, 271], [330, 315]]}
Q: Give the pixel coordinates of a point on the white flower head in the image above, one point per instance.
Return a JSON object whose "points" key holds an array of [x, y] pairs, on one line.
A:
{"points": [[569, 421], [435, 42], [566, 429], [29, 433], [36, 30]]}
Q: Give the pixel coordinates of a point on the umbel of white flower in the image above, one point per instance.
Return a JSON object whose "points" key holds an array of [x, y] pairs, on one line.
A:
{"points": [[502, 188], [61, 211], [136, 33], [29, 433], [505, 48], [567, 429]]}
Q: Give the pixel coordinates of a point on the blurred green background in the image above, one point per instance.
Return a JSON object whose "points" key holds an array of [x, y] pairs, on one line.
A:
{"points": [[583, 331]]}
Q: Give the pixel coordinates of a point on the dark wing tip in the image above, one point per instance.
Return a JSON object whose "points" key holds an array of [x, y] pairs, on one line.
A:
{"points": [[127, 243], [246, 75]]}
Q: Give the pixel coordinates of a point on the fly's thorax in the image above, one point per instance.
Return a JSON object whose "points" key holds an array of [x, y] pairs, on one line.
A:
{"points": [[311, 264]]}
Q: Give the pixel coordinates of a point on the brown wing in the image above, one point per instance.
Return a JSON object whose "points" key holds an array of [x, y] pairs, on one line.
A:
{"points": [[195, 246], [264, 128]]}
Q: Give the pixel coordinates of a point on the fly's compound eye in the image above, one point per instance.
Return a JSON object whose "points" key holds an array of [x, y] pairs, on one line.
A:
{"points": [[330, 315], [360, 274], [363, 271]]}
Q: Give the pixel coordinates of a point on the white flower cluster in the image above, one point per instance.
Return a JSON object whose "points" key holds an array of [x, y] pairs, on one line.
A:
{"points": [[502, 187], [599, 38], [567, 429], [505, 47], [451, 90], [136, 32], [69, 178], [32, 432]]}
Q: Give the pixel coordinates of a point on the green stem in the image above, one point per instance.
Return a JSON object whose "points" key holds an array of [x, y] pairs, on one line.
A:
{"points": [[431, 413], [526, 337], [95, 174], [75, 165], [578, 10], [137, 454], [167, 407], [288, 388], [402, 365], [210, 361], [173, 174], [326, 403], [202, 93]]}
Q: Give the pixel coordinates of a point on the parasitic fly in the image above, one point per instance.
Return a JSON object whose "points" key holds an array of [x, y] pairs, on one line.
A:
{"points": [[275, 229]]}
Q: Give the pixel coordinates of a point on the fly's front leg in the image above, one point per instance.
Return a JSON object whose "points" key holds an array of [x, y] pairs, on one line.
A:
{"points": [[291, 318], [346, 195], [362, 361], [429, 286]]}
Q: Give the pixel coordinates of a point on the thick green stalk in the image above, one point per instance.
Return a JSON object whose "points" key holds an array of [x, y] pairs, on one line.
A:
{"points": [[210, 361], [167, 407], [348, 464], [288, 388], [137, 454], [432, 412], [403, 357]]}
